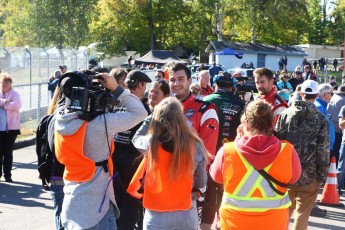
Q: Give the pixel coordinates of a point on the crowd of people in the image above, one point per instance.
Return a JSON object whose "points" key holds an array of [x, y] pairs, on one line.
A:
{"points": [[195, 153]]}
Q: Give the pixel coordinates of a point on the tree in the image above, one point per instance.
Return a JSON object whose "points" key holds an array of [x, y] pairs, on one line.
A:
{"points": [[15, 23], [337, 28]]}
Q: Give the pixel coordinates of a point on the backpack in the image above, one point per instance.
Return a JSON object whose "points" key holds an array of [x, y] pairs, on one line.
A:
{"points": [[44, 154]]}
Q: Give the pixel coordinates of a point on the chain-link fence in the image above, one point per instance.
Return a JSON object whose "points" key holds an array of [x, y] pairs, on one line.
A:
{"points": [[32, 65], [35, 100], [30, 69]]}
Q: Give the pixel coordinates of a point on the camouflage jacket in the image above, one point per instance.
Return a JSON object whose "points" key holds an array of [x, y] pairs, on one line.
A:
{"points": [[307, 129]]}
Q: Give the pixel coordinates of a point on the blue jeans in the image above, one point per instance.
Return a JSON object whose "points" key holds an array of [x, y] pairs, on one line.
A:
{"points": [[341, 167], [108, 222], [57, 194]]}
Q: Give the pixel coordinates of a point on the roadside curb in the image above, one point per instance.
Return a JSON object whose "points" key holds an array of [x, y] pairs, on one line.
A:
{"points": [[22, 143]]}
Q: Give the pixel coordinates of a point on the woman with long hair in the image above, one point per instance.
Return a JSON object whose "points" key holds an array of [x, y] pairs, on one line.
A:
{"points": [[255, 170], [176, 168]]}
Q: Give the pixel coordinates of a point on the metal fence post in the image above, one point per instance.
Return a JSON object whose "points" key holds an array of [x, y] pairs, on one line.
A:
{"points": [[39, 102], [30, 73], [87, 59], [44, 49], [8, 59]]}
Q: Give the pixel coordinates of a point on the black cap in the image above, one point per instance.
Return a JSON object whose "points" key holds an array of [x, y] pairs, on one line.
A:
{"points": [[223, 79], [298, 72], [70, 80], [137, 76], [62, 67]]}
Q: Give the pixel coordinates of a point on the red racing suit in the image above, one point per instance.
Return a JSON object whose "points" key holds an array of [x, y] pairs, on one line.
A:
{"points": [[202, 116], [277, 103], [205, 92]]}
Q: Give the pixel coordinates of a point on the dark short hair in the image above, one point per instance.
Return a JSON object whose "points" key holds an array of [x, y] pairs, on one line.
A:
{"points": [[162, 85], [161, 71], [174, 67], [263, 71], [309, 96]]}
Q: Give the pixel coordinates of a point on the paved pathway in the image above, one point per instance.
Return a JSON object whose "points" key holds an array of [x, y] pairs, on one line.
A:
{"points": [[25, 206]]}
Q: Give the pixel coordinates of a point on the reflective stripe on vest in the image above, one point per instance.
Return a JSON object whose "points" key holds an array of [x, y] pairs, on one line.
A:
{"points": [[242, 197]]}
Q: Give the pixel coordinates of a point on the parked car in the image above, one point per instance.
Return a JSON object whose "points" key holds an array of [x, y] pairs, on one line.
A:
{"points": [[194, 67]]}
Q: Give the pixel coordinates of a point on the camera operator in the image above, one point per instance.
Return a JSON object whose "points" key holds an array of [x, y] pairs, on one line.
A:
{"points": [[83, 143]]}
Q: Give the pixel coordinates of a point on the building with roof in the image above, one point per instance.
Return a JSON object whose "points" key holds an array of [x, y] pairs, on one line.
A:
{"points": [[262, 55], [317, 51]]}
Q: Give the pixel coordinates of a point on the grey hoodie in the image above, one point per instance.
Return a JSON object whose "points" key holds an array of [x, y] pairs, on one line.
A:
{"points": [[82, 201]]}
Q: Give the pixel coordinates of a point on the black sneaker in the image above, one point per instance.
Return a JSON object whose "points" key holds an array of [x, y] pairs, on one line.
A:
{"points": [[8, 180], [318, 212]]}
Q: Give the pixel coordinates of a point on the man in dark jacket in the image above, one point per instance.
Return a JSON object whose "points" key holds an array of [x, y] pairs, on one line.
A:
{"points": [[229, 108]]}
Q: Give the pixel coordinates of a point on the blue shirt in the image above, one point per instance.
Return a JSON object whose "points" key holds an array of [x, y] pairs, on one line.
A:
{"points": [[52, 85], [3, 120], [321, 105]]}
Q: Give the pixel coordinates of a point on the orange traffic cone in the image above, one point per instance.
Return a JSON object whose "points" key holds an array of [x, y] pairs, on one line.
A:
{"points": [[330, 195]]}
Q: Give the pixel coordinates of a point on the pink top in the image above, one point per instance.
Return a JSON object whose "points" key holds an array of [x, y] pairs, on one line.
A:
{"points": [[11, 108]]}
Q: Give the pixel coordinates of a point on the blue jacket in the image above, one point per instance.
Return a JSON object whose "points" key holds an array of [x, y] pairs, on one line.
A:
{"points": [[52, 85], [283, 86], [321, 105]]}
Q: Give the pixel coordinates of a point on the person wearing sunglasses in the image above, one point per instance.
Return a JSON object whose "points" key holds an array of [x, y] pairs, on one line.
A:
{"points": [[321, 102]]}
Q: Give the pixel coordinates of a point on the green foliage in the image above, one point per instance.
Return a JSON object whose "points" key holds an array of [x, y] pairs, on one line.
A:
{"points": [[119, 25], [62, 23], [15, 23]]}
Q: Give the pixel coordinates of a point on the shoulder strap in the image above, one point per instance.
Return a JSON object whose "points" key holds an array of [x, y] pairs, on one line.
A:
{"points": [[272, 180]]}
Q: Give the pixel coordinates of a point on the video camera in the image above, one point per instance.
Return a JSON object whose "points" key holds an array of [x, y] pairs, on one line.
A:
{"points": [[93, 98]]}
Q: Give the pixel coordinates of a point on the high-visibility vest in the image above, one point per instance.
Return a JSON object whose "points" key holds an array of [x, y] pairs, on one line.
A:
{"points": [[69, 151], [247, 194], [137, 181], [163, 194]]}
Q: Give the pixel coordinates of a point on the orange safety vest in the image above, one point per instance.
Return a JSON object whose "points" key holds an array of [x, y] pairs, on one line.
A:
{"points": [[69, 151], [161, 193], [248, 200], [138, 179]]}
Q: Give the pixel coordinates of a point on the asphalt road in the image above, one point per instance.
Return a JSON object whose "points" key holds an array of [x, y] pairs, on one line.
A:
{"points": [[25, 205]]}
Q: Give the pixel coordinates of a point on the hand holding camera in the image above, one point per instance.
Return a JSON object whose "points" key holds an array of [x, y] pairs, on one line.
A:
{"points": [[107, 81]]}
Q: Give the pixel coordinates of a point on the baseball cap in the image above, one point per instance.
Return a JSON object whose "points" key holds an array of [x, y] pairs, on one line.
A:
{"points": [[62, 67], [298, 72], [237, 74], [332, 77], [137, 76], [224, 79], [310, 87]]}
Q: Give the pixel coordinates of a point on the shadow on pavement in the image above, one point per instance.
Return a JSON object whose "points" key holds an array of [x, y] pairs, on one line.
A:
{"points": [[324, 226], [22, 194], [31, 165]]}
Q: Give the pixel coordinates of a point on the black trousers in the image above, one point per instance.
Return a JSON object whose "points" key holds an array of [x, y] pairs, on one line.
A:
{"points": [[7, 139], [336, 147], [131, 209], [212, 202]]}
